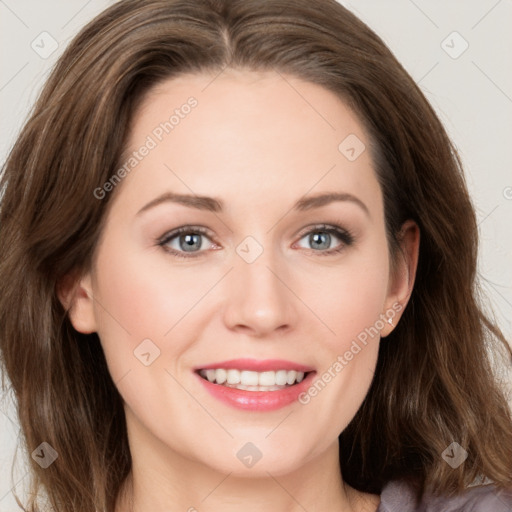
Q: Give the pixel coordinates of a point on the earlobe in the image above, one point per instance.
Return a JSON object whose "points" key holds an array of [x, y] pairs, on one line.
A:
{"points": [[75, 295], [403, 276]]}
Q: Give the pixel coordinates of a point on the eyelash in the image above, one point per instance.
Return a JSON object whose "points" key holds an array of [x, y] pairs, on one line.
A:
{"points": [[332, 229]]}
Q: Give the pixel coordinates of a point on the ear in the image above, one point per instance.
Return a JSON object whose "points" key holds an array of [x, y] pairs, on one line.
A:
{"points": [[75, 295], [402, 275]]}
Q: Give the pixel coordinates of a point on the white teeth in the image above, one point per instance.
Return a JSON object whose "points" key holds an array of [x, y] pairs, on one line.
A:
{"points": [[248, 378], [233, 376], [221, 376], [253, 381], [281, 377], [291, 376], [267, 379]]}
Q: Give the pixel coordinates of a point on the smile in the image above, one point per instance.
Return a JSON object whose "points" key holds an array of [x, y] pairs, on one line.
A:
{"points": [[256, 385], [253, 381]]}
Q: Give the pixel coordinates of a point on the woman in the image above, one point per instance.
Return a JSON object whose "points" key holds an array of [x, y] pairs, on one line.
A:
{"points": [[174, 334]]}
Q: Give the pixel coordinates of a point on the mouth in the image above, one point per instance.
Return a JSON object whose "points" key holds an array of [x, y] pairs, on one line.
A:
{"points": [[248, 380], [256, 385]]}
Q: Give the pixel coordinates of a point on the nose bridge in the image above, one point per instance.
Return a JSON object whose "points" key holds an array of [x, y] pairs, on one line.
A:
{"points": [[258, 299]]}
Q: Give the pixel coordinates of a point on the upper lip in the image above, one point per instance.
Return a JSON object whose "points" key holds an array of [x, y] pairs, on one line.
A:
{"points": [[257, 365]]}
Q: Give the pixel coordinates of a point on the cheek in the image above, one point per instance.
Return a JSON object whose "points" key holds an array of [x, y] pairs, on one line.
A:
{"points": [[137, 301], [351, 307], [352, 295]]}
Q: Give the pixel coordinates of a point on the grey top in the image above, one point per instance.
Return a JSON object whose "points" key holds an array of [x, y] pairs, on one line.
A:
{"points": [[397, 496]]}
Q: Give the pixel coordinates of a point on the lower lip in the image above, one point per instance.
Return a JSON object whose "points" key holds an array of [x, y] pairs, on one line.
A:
{"points": [[257, 400]]}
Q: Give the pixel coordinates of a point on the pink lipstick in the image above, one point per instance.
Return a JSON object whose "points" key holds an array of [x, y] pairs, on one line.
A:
{"points": [[258, 385]]}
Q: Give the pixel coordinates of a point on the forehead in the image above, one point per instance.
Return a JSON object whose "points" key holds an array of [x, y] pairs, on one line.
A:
{"points": [[251, 133]]}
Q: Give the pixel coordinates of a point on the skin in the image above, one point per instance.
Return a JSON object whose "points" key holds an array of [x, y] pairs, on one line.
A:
{"points": [[259, 142]]}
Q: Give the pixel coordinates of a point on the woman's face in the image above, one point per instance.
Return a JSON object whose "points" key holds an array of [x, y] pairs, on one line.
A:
{"points": [[266, 278]]}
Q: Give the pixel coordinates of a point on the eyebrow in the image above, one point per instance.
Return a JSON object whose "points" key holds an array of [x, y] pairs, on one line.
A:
{"points": [[215, 205]]}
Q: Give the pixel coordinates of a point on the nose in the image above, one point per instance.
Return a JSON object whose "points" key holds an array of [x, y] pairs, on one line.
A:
{"points": [[259, 300]]}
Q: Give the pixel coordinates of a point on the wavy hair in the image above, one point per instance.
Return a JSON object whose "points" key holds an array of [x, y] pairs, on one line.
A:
{"points": [[434, 381]]}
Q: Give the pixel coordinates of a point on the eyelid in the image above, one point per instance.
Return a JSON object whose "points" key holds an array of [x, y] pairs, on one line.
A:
{"points": [[335, 228], [173, 233], [322, 226], [184, 229], [345, 235]]}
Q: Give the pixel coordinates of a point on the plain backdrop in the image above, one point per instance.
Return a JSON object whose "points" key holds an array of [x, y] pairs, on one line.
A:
{"points": [[457, 51]]}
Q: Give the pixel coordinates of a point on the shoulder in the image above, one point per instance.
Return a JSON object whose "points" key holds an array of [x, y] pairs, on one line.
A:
{"points": [[398, 496]]}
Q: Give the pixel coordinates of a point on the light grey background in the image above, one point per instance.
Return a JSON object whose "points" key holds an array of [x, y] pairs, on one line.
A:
{"points": [[471, 90]]}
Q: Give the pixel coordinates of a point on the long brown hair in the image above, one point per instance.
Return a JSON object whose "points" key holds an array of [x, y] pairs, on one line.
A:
{"points": [[434, 383]]}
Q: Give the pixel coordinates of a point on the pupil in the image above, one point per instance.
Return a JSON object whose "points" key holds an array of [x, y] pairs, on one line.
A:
{"points": [[316, 239], [191, 242]]}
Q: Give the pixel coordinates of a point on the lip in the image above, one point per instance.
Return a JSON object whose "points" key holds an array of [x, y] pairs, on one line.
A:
{"points": [[257, 400], [265, 365]]}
